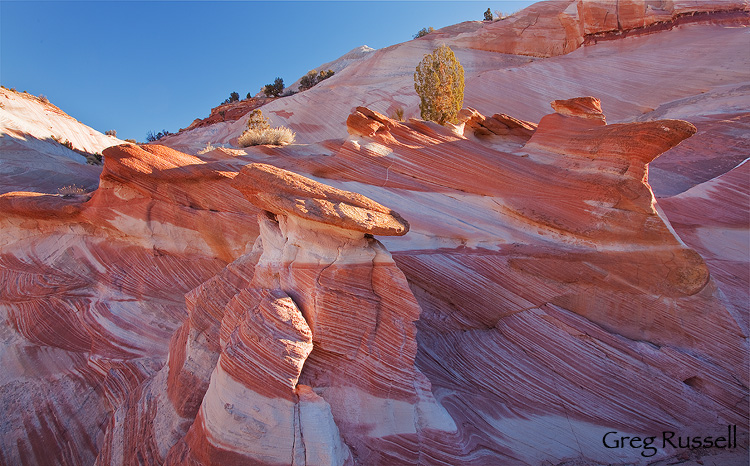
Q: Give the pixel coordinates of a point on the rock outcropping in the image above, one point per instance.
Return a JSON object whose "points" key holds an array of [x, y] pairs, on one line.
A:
{"points": [[543, 294], [62, 149], [221, 310], [551, 28], [311, 332]]}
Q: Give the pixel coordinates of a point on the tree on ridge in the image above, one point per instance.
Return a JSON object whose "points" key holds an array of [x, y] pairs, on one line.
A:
{"points": [[439, 82]]}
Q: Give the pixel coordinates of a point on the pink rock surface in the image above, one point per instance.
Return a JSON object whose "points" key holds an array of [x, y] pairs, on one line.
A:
{"points": [[594, 316], [712, 218], [552, 28], [282, 192], [542, 297], [360, 314], [93, 286], [34, 129], [318, 303]]}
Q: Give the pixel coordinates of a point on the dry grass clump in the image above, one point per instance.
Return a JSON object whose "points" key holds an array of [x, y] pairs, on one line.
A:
{"points": [[71, 190], [273, 136], [209, 147], [259, 132]]}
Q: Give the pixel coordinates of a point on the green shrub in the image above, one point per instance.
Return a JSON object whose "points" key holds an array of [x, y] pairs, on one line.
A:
{"points": [[325, 74], [151, 137], [439, 82], [233, 97], [62, 142], [111, 132], [488, 15], [308, 80], [93, 159], [423, 32], [275, 89], [312, 78], [259, 132]]}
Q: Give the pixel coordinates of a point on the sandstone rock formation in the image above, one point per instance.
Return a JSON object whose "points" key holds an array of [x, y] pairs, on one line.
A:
{"points": [[93, 288], [310, 332], [632, 75], [552, 28], [498, 124], [285, 193], [227, 112], [33, 129], [238, 310], [305, 349]]}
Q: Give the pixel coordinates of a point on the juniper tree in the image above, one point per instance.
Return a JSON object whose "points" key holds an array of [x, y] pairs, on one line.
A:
{"points": [[308, 80], [275, 89], [257, 122], [439, 82], [423, 32]]}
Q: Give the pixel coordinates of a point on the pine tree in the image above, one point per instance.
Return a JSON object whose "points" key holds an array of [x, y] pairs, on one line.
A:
{"points": [[439, 82]]}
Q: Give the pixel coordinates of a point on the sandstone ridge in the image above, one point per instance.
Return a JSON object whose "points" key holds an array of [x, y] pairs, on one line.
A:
{"points": [[547, 29], [223, 328], [564, 274], [307, 343], [282, 192]]}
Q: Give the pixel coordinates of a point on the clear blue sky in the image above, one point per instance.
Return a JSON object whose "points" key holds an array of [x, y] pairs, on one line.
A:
{"points": [[139, 66]]}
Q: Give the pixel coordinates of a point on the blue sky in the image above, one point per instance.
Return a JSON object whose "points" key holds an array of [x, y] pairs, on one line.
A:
{"points": [[140, 66]]}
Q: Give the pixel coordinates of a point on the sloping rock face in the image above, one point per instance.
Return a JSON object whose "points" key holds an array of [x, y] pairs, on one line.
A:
{"points": [[718, 209], [31, 128], [338, 64], [302, 349], [548, 29], [93, 288], [558, 298], [540, 293], [633, 75], [559, 239]]}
